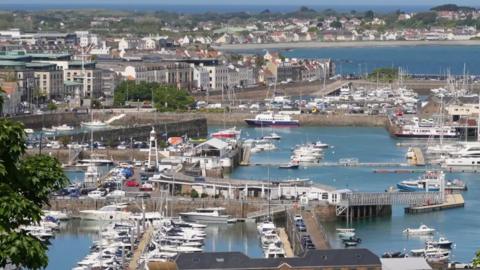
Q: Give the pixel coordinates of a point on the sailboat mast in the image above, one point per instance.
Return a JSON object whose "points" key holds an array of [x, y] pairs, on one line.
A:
{"points": [[478, 119]]}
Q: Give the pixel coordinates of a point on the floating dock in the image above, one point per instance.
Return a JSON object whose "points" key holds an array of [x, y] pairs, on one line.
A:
{"points": [[451, 201], [337, 164], [418, 158]]}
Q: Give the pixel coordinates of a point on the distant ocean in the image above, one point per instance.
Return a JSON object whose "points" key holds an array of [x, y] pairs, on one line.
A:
{"points": [[212, 8]]}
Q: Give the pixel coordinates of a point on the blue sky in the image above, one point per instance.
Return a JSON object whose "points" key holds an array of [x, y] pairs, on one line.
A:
{"points": [[249, 2]]}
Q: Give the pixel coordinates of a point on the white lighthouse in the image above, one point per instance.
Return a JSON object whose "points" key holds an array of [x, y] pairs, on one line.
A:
{"points": [[153, 150]]}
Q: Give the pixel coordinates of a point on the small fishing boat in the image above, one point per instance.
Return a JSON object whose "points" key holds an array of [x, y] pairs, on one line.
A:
{"points": [[352, 239], [346, 235], [290, 165], [430, 181], [340, 230], [272, 136], [230, 133], [320, 144], [350, 243], [422, 230]]}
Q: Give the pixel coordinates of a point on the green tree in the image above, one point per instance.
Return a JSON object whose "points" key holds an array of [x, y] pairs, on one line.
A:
{"points": [[95, 104], [165, 97], [369, 15], [52, 106], [384, 74], [194, 194], [25, 184], [336, 24], [476, 260]]}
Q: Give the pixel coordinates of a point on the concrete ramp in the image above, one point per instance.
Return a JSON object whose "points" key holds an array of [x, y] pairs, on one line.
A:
{"points": [[115, 118]]}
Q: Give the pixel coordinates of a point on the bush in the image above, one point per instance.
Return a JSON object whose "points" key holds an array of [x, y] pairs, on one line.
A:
{"points": [[204, 195], [384, 74], [194, 194]]}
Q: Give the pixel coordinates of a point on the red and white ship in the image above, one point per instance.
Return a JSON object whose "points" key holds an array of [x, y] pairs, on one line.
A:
{"points": [[231, 133]]}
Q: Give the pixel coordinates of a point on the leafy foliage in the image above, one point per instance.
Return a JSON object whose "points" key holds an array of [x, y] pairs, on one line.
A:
{"points": [[25, 184], [384, 74], [52, 106], [452, 7], [165, 97], [476, 260]]}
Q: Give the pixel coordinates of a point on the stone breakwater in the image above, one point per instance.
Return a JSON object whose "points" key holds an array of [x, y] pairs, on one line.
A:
{"points": [[238, 119]]}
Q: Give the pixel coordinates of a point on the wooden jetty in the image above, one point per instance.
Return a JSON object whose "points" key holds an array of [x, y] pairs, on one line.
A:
{"points": [[144, 241], [246, 153], [286, 243], [451, 201], [418, 158]]}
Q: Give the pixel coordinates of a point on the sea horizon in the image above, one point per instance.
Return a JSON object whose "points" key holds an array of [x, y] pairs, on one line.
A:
{"points": [[224, 8]]}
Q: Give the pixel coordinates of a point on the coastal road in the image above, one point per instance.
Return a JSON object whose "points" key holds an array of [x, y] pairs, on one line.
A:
{"points": [[329, 88]]}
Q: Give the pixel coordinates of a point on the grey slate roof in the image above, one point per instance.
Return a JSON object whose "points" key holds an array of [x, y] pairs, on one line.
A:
{"points": [[313, 258]]}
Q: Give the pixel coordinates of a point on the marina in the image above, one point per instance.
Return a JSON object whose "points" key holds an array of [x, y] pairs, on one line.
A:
{"points": [[310, 221], [240, 137]]}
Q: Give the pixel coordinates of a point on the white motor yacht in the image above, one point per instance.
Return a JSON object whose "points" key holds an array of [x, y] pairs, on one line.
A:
{"points": [[468, 156], [106, 213], [63, 128], [94, 124], [265, 227], [273, 251], [206, 215], [422, 230]]}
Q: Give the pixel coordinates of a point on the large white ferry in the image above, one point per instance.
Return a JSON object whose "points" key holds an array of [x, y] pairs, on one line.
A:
{"points": [[269, 119], [418, 131]]}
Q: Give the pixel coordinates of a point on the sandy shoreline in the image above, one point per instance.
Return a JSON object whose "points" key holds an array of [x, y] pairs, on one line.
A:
{"points": [[346, 44]]}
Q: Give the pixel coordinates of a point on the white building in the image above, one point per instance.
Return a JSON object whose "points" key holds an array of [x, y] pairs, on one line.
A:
{"points": [[218, 77], [85, 38], [201, 77]]}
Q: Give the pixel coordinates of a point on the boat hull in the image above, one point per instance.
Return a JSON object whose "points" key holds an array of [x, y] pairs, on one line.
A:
{"points": [[408, 188], [104, 216], [272, 123], [204, 218], [422, 136]]}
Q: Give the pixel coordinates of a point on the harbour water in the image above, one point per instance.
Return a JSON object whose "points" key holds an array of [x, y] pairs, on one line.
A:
{"points": [[426, 59], [372, 145], [378, 234]]}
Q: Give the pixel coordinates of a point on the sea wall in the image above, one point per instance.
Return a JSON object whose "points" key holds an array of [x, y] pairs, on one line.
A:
{"points": [[235, 208], [238, 119], [193, 127]]}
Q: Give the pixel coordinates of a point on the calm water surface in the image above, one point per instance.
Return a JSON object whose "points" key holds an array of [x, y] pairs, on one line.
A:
{"points": [[425, 59], [378, 234], [371, 145]]}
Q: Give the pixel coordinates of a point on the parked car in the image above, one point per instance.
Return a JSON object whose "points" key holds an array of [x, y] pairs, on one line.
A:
{"points": [[146, 187], [96, 194], [297, 217], [199, 179], [301, 227], [116, 194], [132, 183]]}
